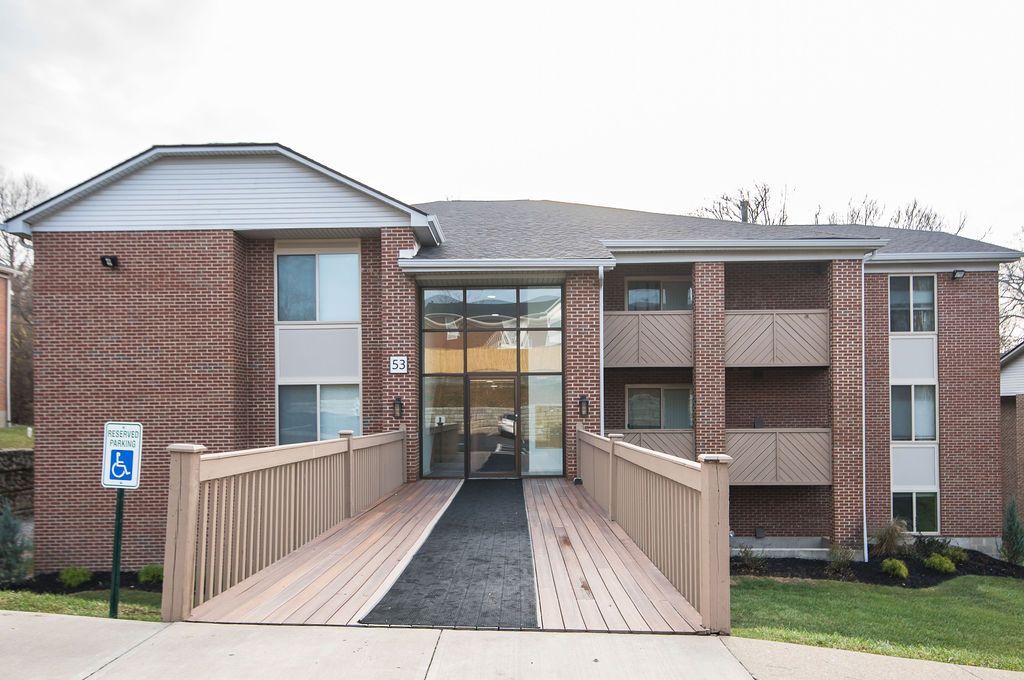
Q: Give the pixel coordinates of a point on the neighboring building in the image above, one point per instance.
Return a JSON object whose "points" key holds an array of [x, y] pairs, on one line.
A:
{"points": [[1011, 388], [243, 295]]}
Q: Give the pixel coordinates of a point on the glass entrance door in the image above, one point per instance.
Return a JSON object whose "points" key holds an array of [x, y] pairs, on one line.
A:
{"points": [[493, 427]]}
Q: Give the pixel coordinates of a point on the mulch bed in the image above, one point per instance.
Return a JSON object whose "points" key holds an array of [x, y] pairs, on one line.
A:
{"points": [[48, 583], [978, 564]]}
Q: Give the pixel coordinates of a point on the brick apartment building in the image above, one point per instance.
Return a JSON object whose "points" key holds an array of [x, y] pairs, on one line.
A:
{"points": [[241, 296]]}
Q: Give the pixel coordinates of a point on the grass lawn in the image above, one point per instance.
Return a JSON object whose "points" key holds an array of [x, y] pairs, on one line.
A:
{"points": [[974, 620], [15, 437], [134, 604]]}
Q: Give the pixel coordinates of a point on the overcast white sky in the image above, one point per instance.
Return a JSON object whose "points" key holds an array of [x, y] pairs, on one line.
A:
{"points": [[650, 106]]}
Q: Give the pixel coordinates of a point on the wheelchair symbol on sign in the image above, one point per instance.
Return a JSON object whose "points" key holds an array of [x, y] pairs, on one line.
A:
{"points": [[119, 469]]}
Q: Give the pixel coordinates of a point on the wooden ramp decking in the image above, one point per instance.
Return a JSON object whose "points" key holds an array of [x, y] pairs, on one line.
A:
{"points": [[590, 576]]}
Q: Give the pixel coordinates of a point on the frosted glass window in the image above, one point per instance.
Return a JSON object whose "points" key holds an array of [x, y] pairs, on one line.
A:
{"points": [[678, 414], [339, 410], [339, 287], [296, 287], [924, 412], [296, 418], [914, 467]]}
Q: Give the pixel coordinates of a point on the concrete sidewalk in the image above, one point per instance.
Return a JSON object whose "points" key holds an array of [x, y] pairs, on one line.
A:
{"points": [[53, 646]]}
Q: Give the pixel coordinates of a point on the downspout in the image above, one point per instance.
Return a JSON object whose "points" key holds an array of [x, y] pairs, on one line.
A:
{"points": [[9, 302], [600, 354], [863, 415]]}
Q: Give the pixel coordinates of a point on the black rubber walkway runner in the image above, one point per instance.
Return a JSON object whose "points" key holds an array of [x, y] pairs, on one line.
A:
{"points": [[474, 570]]}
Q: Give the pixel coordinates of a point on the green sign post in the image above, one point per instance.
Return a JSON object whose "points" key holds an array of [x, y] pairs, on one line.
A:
{"points": [[115, 567]]}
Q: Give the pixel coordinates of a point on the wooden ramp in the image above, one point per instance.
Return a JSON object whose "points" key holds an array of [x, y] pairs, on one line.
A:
{"points": [[335, 577], [590, 574]]}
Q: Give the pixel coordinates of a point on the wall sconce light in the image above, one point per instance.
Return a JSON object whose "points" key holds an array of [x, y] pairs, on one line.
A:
{"points": [[584, 405], [958, 274], [109, 261], [397, 408]]}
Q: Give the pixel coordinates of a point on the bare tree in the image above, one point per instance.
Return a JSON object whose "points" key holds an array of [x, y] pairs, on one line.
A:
{"points": [[762, 205], [18, 193]]}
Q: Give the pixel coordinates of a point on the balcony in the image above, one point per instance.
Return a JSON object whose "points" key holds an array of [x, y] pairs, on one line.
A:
{"points": [[761, 457], [659, 339], [780, 456], [765, 338]]}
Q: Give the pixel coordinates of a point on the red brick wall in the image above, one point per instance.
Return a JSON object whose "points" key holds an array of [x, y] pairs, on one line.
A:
{"points": [[399, 336], [783, 397], [969, 454], [1013, 464], [781, 510], [374, 362], [157, 341], [616, 379], [847, 415], [876, 366], [615, 280], [776, 285], [582, 371], [709, 357], [259, 314]]}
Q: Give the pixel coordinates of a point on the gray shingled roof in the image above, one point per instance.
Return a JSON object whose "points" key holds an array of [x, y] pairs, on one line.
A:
{"points": [[552, 229]]}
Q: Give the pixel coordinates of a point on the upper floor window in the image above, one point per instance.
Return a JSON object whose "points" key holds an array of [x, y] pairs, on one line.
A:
{"points": [[912, 304], [655, 407], [318, 287], [654, 295]]}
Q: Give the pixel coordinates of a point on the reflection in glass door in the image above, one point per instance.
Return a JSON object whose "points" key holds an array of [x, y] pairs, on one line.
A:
{"points": [[492, 427]]}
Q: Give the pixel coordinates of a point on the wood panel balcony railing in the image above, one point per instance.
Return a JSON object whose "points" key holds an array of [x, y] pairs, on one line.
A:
{"points": [[648, 339], [679, 443], [784, 456], [763, 338]]}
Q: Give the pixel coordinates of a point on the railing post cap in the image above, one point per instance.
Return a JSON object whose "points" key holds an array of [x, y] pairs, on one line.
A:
{"points": [[346, 433], [186, 448], [714, 458], [616, 435]]}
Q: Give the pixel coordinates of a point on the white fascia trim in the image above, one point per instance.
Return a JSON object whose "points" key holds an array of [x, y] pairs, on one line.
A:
{"points": [[509, 265], [737, 256], [635, 245], [912, 262], [424, 225]]}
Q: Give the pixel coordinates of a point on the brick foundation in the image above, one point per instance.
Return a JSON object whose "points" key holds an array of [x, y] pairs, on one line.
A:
{"points": [[781, 510]]}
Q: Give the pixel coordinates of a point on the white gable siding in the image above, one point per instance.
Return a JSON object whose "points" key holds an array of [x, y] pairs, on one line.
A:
{"points": [[1011, 378], [239, 192]]}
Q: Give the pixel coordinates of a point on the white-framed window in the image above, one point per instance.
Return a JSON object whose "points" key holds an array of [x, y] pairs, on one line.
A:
{"points": [[659, 407], [913, 411], [318, 344], [659, 294], [317, 283], [919, 509], [912, 303]]}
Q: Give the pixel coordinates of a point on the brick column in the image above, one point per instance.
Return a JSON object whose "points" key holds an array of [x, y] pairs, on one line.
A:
{"points": [[845, 350], [582, 314], [399, 336], [709, 356]]}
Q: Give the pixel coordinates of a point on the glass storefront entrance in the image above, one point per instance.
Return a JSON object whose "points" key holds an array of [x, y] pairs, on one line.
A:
{"points": [[492, 382]]}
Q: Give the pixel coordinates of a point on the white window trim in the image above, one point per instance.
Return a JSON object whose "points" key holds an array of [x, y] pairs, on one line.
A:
{"points": [[913, 413], [888, 303], [662, 387], [317, 247], [661, 288], [913, 508]]}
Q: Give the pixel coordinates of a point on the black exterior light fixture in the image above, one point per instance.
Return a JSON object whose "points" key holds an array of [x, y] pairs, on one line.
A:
{"points": [[584, 405], [958, 274], [397, 408], [109, 261]]}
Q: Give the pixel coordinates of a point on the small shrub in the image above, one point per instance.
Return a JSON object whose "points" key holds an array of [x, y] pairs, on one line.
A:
{"points": [[12, 546], [896, 568], [940, 563], [1012, 548], [74, 577], [891, 537], [930, 545], [956, 554], [839, 559], [151, 573], [752, 562]]}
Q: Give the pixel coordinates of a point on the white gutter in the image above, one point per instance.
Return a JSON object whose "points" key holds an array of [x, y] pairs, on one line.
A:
{"points": [[863, 418], [1004, 256], [600, 356], [741, 244], [503, 264]]}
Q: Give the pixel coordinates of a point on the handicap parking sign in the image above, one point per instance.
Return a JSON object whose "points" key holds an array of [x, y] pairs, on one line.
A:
{"points": [[122, 455]]}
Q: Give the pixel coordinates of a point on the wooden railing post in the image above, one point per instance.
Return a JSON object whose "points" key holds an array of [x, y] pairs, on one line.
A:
{"points": [[714, 543], [350, 478], [182, 528], [613, 468]]}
